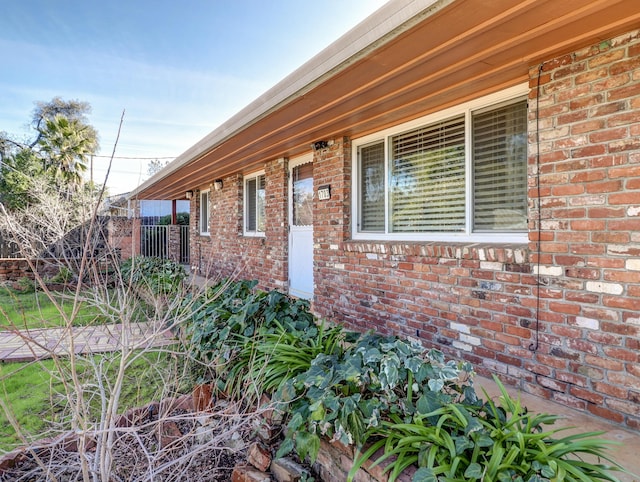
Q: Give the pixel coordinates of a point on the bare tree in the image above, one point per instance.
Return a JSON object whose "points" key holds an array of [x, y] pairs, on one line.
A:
{"points": [[156, 165], [156, 442]]}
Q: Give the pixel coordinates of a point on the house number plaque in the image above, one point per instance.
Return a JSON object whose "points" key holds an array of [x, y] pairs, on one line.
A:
{"points": [[324, 193]]}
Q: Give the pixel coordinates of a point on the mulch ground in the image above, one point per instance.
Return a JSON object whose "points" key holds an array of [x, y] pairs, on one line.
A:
{"points": [[179, 446]]}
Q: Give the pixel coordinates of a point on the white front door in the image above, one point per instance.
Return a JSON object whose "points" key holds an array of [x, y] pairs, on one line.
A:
{"points": [[301, 227]]}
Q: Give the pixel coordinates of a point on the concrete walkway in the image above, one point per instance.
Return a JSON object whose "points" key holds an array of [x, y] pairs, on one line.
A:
{"points": [[29, 345]]}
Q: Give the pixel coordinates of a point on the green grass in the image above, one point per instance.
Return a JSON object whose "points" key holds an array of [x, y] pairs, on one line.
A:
{"points": [[36, 399], [26, 389], [35, 310]]}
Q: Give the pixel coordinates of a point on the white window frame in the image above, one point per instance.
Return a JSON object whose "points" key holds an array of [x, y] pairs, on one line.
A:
{"points": [[246, 232], [513, 93], [204, 216]]}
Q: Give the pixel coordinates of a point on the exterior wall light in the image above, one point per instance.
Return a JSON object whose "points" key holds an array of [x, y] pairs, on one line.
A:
{"points": [[188, 194], [316, 146], [217, 184]]}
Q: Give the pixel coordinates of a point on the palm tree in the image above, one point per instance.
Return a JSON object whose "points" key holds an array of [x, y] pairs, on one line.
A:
{"points": [[65, 147]]}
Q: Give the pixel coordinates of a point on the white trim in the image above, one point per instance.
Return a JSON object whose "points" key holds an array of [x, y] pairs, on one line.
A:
{"points": [[303, 159], [202, 193], [256, 233], [466, 108], [306, 158]]}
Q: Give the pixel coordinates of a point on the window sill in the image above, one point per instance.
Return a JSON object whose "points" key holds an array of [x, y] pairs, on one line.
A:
{"points": [[448, 238], [517, 253]]}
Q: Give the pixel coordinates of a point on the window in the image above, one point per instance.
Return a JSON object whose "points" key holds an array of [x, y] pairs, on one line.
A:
{"points": [[204, 212], [459, 175], [302, 194], [254, 205]]}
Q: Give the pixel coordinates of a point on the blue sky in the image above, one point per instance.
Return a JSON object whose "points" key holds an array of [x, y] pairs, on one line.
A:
{"points": [[178, 69]]}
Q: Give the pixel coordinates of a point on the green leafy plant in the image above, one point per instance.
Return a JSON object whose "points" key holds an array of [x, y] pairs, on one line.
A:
{"points": [[279, 352], [232, 312], [64, 275], [156, 274], [485, 441], [342, 396], [250, 340], [26, 285], [382, 393]]}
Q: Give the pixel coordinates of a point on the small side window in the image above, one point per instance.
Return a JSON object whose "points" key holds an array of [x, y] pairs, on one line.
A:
{"points": [[254, 205], [204, 213]]}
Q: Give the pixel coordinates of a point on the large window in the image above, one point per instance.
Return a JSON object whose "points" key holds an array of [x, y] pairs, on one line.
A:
{"points": [[254, 205], [204, 212], [459, 175]]}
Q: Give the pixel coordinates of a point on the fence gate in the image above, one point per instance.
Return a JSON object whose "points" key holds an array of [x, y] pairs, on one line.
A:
{"points": [[154, 241], [165, 241], [184, 245]]}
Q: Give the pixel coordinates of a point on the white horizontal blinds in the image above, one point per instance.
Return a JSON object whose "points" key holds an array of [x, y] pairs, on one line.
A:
{"points": [[427, 179], [204, 212], [255, 204], [251, 208], [372, 190], [303, 195], [500, 169], [262, 204]]}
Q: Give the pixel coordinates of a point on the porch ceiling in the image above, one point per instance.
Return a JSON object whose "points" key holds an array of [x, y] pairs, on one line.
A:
{"points": [[457, 50]]}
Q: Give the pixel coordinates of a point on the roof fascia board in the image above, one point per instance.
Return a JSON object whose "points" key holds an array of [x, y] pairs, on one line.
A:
{"points": [[382, 26]]}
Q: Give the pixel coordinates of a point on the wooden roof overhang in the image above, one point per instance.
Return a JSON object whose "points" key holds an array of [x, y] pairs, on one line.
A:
{"points": [[404, 61]]}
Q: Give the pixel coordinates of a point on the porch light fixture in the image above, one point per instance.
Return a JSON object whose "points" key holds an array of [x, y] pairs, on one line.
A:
{"points": [[188, 194], [217, 184], [316, 146]]}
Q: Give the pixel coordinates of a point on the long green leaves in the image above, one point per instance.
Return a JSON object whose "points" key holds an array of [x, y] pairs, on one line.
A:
{"points": [[274, 357], [490, 442], [383, 393]]}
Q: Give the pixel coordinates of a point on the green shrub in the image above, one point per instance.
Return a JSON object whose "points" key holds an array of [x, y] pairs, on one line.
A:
{"points": [[233, 312], [342, 396], [379, 390], [270, 358], [26, 285], [490, 442], [160, 276], [64, 275]]}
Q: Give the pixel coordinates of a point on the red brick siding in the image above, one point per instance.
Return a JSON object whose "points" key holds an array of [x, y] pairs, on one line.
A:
{"points": [[12, 269], [122, 235], [226, 252], [485, 303], [590, 219], [480, 302]]}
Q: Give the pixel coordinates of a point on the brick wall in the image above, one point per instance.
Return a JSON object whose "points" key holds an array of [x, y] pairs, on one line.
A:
{"points": [[12, 269], [121, 235], [261, 258], [578, 342], [589, 262], [561, 318]]}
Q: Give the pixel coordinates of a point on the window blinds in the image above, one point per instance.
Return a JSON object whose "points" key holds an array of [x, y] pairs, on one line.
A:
{"points": [[372, 189], [500, 169], [427, 178], [255, 204], [204, 212]]}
